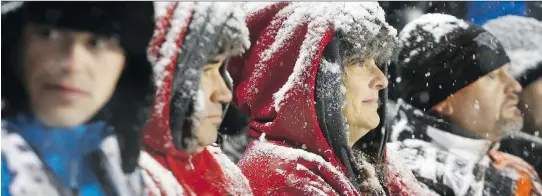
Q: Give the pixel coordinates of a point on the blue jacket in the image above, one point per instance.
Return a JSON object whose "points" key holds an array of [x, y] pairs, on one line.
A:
{"points": [[479, 12], [61, 150]]}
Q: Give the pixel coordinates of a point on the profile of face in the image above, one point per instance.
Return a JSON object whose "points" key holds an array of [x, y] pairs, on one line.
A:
{"points": [[531, 106], [363, 80], [69, 75], [215, 93], [487, 107]]}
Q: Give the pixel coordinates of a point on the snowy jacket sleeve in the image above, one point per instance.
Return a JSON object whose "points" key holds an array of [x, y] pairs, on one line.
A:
{"points": [[301, 181]]}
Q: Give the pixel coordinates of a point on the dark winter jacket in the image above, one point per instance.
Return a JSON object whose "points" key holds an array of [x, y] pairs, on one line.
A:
{"points": [[450, 162], [289, 85], [100, 157], [186, 35]]}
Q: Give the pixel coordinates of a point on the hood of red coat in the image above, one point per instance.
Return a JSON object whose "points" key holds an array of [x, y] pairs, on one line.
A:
{"points": [[186, 34], [275, 80], [256, 81]]}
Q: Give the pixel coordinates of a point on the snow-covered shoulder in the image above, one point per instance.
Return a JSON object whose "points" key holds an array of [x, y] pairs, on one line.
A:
{"points": [[240, 184], [263, 148], [159, 180]]}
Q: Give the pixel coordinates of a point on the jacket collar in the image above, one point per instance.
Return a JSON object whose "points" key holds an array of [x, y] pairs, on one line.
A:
{"points": [[447, 136]]}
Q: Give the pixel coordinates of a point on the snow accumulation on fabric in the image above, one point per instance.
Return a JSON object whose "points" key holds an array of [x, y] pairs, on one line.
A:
{"points": [[253, 7], [29, 178], [154, 174], [524, 60], [437, 24], [346, 17], [265, 148], [169, 49], [521, 38], [11, 6], [238, 180], [399, 172]]}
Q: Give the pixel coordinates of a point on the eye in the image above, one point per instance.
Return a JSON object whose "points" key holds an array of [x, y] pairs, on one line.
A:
{"points": [[48, 33], [101, 43], [492, 75]]}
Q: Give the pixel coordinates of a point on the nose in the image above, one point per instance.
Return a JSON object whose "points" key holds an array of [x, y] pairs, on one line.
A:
{"points": [[76, 55], [221, 93], [378, 81], [513, 86]]}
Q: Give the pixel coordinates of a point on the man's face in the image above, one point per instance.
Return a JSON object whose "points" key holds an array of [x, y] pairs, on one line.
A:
{"points": [[363, 80], [68, 75], [215, 93], [531, 106], [488, 106]]}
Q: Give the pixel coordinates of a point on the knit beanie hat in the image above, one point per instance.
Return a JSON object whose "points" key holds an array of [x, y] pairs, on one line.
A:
{"points": [[439, 55], [521, 38]]}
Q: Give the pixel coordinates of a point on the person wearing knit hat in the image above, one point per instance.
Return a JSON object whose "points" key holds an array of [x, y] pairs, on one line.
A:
{"points": [[457, 99], [189, 50], [521, 38], [76, 90]]}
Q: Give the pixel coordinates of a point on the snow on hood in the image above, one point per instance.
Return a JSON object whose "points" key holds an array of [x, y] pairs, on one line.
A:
{"points": [[252, 7], [521, 37], [11, 6], [275, 80], [350, 18]]}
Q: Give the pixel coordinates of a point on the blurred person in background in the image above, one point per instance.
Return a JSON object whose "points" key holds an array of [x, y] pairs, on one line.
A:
{"points": [[190, 48], [458, 100], [76, 89], [521, 38]]}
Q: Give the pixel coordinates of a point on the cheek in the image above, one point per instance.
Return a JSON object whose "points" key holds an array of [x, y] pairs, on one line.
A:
{"points": [[105, 76]]}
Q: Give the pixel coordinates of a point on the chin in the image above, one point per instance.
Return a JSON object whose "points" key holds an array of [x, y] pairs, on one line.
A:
{"points": [[207, 134], [61, 121]]}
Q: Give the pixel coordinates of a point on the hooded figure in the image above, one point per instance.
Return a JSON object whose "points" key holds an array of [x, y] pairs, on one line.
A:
{"points": [[457, 101], [293, 86], [521, 38], [77, 87], [190, 42]]}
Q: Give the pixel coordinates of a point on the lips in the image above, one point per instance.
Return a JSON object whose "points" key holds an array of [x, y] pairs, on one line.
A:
{"points": [[214, 118], [371, 100], [65, 92]]}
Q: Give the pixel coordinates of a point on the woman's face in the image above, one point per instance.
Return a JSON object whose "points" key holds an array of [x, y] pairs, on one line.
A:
{"points": [[363, 80]]}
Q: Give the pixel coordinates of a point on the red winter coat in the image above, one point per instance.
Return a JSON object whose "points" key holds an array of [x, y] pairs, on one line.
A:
{"points": [[291, 156], [275, 85], [208, 172]]}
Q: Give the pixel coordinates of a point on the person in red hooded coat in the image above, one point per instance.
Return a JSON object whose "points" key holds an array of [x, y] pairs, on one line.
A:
{"points": [[310, 84], [190, 48]]}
